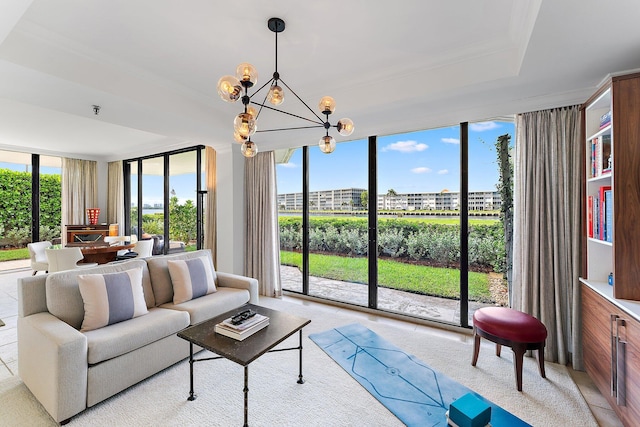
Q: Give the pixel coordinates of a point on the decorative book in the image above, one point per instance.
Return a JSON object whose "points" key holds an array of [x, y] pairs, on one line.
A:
{"points": [[244, 329]]}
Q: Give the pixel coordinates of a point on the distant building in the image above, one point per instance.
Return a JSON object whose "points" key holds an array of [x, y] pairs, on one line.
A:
{"points": [[442, 201], [350, 199], [347, 199]]}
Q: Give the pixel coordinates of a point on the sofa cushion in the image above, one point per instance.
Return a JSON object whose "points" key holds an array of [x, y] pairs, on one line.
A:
{"points": [[208, 306], [63, 294], [191, 278], [111, 298], [124, 337], [160, 277]]}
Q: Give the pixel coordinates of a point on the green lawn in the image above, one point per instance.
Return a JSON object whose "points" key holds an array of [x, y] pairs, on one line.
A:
{"points": [[14, 254], [443, 282]]}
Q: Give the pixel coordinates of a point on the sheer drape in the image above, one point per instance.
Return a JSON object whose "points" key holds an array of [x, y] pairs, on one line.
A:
{"points": [[115, 195], [210, 207], [262, 259], [79, 190], [547, 227]]}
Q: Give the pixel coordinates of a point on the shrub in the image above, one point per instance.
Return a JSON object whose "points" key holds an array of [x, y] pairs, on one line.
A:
{"points": [[392, 242], [399, 238]]}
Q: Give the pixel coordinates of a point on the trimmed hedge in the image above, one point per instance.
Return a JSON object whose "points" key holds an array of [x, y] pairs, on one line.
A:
{"points": [[16, 209], [404, 240]]}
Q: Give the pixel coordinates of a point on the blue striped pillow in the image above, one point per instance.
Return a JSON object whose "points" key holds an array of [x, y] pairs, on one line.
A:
{"points": [[111, 298], [191, 278]]}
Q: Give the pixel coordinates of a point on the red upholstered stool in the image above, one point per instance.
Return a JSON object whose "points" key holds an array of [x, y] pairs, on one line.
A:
{"points": [[515, 329]]}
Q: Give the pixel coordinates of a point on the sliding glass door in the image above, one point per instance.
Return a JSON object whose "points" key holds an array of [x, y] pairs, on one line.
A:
{"points": [[162, 194]]}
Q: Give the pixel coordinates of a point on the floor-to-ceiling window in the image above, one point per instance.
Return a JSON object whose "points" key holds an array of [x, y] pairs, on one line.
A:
{"points": [[30, 198], [435, 218], [162, 194], [418, 206], [338, 244]]}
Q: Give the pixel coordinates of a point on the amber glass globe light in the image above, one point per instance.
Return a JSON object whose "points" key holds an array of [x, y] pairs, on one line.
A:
{"points": [[253, 112], [345, 127], [327, 144], [245, 124], [229, 89], [239, 138], [276, 95], [249, 149], [327, 105], [247, 74]]}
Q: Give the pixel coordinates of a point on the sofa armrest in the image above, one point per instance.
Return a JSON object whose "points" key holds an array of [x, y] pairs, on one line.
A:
{"points": [[32, 295], [240, 282], [52, 362]]}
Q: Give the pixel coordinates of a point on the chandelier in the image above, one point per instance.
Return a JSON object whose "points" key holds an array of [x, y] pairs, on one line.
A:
{"points": [[245, 125]]}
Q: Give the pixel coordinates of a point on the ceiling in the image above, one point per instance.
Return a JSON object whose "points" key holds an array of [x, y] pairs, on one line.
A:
{"points": [[153, 65]]}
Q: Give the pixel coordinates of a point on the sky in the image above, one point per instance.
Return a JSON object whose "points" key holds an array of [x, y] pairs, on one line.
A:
{"points": [[416, 162]]}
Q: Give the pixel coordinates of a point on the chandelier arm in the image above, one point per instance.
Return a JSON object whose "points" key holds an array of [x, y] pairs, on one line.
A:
{"points": [[261, 87], [320, 123], [300, 99], [293, 128]]}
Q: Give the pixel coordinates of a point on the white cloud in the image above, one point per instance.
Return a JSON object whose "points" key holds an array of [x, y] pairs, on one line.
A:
{"points": [[443, 172], [421, 170], [451, 140], [483, 126], [406, 146], [289, 165]]}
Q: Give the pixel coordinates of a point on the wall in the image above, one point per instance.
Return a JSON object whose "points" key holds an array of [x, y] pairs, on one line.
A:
{"points": [[231, 213]]}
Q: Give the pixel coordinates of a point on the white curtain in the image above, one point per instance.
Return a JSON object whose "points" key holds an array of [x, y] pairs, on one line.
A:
{"points": [[262, 258], [79, 191], [210, 207], [115, 195], [546, 260]]}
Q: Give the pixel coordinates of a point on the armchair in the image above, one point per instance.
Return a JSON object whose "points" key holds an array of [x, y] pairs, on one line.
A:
{"points": [[38, 256], [66, 259]]}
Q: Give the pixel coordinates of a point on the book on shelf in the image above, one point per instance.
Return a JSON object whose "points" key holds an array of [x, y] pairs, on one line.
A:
{"points": [[243, 330], [605, 120], [602, 224], [608, 216], [596, 217], [590, 216], [600, 155]]}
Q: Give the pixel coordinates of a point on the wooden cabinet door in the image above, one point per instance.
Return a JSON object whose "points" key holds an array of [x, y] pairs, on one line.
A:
{"points": [[598, 357]]}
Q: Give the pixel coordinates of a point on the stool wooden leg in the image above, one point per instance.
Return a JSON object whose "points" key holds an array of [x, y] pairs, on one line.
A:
{"points": [[498, 349], [476, 347], [541, 360], [518, 354]]}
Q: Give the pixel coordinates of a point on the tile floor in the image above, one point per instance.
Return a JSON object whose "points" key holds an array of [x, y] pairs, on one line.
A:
{"points": [[9, 345]]}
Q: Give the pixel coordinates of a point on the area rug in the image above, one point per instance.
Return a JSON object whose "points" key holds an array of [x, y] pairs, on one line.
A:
{"points": [[416, 393], [328, 398]]}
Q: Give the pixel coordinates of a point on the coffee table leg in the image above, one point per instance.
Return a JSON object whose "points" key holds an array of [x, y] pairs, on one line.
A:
{"points": [[246, 396], [300, 379], [192, 395]]}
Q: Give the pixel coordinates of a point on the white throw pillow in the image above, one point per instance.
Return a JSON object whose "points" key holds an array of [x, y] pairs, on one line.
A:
{"points": [[111, 298], [191, 278]]}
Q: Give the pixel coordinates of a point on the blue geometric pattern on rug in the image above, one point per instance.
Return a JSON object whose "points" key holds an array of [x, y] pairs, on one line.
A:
{"points": [[414, 392]]}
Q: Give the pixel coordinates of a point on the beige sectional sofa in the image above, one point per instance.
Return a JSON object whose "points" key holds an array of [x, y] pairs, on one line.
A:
{"points": [[68, 370]]}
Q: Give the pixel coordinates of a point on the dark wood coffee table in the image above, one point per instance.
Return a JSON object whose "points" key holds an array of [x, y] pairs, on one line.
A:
{"points": [[281, 326]]}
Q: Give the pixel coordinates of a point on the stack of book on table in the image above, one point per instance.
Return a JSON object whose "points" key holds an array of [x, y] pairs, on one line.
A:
{"points": [[242, 325]]}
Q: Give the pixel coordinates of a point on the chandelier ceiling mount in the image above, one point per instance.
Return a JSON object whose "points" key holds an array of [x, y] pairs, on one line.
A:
{"points": [[234, 88]]}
